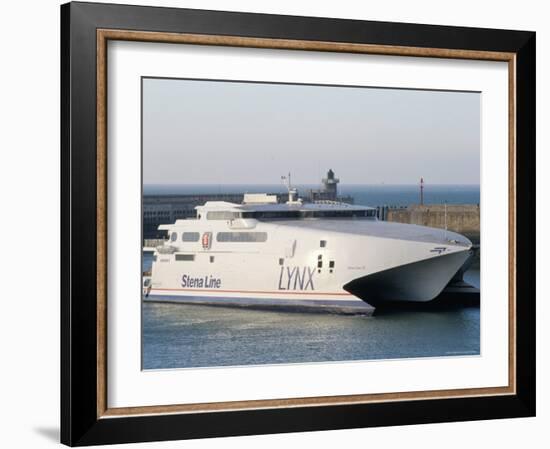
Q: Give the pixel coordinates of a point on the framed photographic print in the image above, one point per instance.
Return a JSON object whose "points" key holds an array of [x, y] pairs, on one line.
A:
{"points": [[277, 224]]}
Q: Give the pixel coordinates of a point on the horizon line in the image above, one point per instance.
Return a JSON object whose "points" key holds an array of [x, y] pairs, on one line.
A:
{"points": [[309, 183]]}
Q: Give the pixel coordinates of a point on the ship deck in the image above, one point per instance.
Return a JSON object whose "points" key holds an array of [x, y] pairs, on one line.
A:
{"points": [[381, 229]]}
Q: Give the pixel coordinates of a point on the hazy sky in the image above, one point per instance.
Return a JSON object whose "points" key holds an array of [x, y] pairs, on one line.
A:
{"points": [[208, 132]]}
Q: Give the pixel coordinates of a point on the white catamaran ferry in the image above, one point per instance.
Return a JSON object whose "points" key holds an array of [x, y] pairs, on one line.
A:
{"points": [[323, 255]]}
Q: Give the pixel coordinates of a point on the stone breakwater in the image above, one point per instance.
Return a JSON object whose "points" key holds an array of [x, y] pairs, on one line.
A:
{"points": [[461, 218]]}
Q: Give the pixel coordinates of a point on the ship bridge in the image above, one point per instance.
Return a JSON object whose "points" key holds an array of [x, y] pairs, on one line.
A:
{"points": [[218, 210]]}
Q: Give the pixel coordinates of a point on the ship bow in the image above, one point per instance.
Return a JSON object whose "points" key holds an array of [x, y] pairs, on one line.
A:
{"points": [[419, 281]]}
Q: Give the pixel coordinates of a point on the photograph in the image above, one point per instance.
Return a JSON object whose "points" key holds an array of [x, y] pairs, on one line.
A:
{"points": [[307, 223], [272, 222]]}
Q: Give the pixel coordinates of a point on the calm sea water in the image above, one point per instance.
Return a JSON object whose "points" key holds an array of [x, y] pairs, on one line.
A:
{"points": [[367, 195], [183, 336]]}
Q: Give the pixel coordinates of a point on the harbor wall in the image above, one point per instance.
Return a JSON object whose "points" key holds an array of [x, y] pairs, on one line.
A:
{"points": [[461, 218]]}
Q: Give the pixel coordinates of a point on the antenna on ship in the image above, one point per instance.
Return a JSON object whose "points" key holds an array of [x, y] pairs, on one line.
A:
{"points": [[292, 192], [422, 191], [286, 181]]}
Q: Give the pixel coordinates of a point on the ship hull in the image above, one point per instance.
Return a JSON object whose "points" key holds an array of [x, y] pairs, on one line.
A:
{"points": [[300, 264]]}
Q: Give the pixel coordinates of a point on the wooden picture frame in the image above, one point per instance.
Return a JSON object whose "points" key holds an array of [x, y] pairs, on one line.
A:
{"points": [[86, 29]]}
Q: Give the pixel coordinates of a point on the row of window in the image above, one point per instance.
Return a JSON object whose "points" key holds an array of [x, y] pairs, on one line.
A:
{"points": [[241, 236], [186, 236], [291, 214], [298, 214], [223, 236]]}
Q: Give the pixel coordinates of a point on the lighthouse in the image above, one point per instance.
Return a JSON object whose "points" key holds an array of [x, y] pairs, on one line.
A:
{"points": [[330, 184]]}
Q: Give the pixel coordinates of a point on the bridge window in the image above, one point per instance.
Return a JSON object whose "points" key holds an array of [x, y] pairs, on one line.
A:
{"points": [[185, 257], [272, 214], [174, 236], [242, 237], [323, 243], [190, 236], [211, 259], [301, 214]]}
